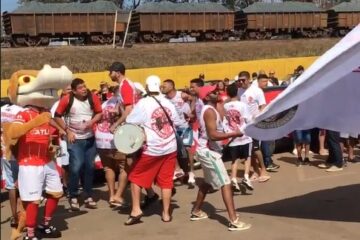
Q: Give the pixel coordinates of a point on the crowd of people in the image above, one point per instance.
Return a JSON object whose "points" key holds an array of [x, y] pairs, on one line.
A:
{"points": [[208, 119]]}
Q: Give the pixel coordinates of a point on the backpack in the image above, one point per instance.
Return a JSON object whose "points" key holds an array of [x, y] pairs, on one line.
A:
{"points": [[71, 101]]}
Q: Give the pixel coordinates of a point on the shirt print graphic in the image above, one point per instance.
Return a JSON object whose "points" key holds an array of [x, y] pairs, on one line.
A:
{"points": [[234, 120], [160, 124], [108, 118]]}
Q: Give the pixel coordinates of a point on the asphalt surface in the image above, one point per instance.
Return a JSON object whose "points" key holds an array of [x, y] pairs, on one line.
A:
{"points": [[297, 203]]}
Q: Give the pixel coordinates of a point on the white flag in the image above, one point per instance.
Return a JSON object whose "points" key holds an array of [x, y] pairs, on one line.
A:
{"points": [[326, 95]]}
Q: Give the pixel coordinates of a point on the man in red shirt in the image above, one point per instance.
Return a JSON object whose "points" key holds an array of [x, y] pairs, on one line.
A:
{"points": [[127, 91], [81, 110]]}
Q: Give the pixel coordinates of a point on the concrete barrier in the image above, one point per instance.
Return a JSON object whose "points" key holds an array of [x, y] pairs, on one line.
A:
{"points": [[183, 74]]}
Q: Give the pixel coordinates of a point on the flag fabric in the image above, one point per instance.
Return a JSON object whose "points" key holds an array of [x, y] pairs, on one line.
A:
{"points": [[326, 95]]}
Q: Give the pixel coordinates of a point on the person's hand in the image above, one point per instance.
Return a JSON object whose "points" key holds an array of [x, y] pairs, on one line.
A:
{"points": [[112, 128], [70, 136], [238, 133], [62, 133]]}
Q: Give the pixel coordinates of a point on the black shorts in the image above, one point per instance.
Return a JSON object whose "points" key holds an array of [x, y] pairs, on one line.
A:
{"points": [[239, 152], [255, 145]]}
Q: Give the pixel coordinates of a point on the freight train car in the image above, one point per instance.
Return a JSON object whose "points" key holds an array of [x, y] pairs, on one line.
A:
{"points": [[34, 23], [160, 21], [264, 20], [344, 17]]}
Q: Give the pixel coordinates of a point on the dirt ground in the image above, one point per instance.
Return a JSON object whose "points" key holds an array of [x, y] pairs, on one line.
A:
{"points": [[298, 203], [93, 58]]}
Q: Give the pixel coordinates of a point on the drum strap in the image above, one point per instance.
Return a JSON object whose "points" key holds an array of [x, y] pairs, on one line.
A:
{"points": [[167, 115]]}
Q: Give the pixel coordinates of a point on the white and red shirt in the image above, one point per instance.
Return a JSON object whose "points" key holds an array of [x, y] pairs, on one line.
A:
{"points": [[199, 104], [33, 147], [8, 114], [160, 136], [103, 137], [254, 97], [237, 115], [127, 90], [182, 108], [204, 141], [80, 113]]}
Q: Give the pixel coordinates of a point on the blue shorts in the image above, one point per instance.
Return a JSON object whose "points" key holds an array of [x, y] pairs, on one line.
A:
{"points": [[186, 135], [10, 171], [302, 136]]}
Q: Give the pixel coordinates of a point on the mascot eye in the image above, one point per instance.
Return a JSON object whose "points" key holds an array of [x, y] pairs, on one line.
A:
{"points": [[25, 80]]}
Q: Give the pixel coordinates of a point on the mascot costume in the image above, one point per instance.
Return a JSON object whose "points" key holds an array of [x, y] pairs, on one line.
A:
{"points": [[29, 139]]}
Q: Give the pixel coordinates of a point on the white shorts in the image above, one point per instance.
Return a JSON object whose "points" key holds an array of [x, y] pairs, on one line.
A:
{"points": [[214, 169], [33, 180], [63, 159]]}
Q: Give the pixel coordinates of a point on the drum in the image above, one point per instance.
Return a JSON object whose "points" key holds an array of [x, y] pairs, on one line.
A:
{"points": [[129, 138]]}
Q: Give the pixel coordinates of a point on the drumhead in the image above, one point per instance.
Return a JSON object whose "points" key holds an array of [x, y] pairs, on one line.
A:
{"points": [[128, 138]]}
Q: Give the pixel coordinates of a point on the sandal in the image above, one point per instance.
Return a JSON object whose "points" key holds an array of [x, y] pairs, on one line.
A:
{"points": [[74, 204], [134, 219], [166, 221], [115, 203], [90, 203], [264, 178]]}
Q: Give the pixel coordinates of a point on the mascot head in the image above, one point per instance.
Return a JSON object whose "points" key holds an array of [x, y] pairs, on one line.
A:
{"points": [[38, 88]]}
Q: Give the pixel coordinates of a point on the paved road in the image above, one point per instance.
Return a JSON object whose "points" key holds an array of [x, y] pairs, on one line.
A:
{"points": [[297, 203]]}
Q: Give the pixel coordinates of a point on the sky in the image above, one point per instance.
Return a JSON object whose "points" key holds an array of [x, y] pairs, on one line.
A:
{"points": [[8, 5]]}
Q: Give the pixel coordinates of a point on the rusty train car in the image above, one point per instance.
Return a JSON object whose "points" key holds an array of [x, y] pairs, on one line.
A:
{"points": [[343, 17], [35, 24], [264, 20], [158, 22], [93, 23]]}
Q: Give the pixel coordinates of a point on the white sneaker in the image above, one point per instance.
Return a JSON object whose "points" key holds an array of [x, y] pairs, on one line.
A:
{"points": [[198, 216], [235, 185], [334, 168], [247, 184], [238, 226]]}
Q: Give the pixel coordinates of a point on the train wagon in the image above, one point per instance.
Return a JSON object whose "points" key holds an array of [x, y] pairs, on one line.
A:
{"points": [[264, 20], [158, 22], [34, 23], [343, 17]]}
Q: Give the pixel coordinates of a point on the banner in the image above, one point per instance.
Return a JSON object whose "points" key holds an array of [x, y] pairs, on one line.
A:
{"points": [[326, 95]]}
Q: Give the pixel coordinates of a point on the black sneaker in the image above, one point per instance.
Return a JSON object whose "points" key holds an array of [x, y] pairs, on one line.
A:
{"points": [[30, 238], [299, 161], [272, 167], [148, 201], [48, 232], [307, 161]]}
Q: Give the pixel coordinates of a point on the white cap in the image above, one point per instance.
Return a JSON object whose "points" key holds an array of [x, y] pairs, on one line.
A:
{"points": [[153, 83], [139, 87]]}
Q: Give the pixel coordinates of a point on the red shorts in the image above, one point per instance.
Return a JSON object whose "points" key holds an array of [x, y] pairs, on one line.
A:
{"points": [[149, 169]]}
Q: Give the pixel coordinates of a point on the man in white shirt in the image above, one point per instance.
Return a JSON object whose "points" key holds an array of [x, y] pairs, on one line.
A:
{"points": [[254, 98], [10, 167], [81, 110], [237, 115], [208, 153], [180, 101], [112, 160], [158, 158]]}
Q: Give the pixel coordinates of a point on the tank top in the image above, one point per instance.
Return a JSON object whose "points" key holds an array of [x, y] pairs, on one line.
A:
{"points": [[204, 141]]}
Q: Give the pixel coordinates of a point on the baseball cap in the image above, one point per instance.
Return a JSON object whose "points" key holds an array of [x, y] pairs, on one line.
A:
{"points": [[117, 67], [206, 90], [153, 83], [103, 83]]}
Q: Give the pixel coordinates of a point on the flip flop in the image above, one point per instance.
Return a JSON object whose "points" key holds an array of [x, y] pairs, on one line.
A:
{"points": [[264, 178], [166, 221], [115, 203], [134, 219]]}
